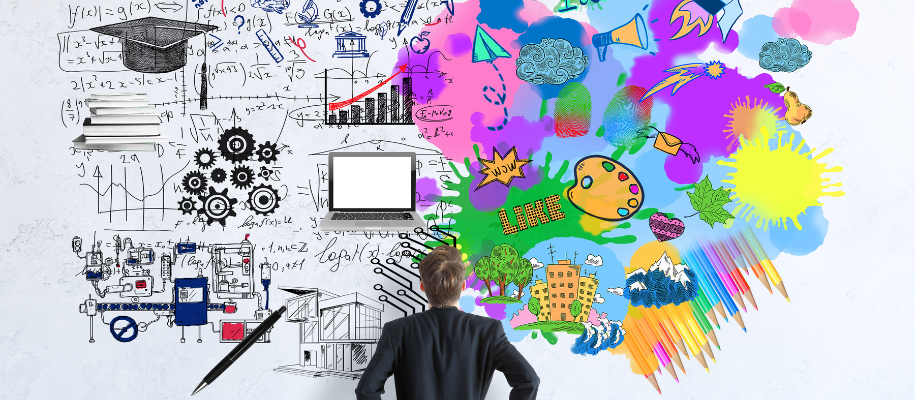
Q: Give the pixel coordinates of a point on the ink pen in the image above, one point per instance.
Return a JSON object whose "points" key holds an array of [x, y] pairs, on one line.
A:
{"points": [[240, 349], [407, 15]]}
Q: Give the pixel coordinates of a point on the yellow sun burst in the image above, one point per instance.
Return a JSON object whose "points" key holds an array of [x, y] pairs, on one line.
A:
{"points": [[714, 69], [779, 184], [748, 119]]}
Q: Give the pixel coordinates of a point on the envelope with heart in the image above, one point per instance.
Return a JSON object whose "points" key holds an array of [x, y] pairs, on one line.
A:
{"points": [[667, 143]]}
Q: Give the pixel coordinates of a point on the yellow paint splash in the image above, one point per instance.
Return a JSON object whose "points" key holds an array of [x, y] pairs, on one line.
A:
{"points": [[748, 119], [778, 184]]}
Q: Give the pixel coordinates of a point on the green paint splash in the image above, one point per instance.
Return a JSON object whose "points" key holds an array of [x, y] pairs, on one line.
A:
{"points": [[550, 337], [478, 231]]}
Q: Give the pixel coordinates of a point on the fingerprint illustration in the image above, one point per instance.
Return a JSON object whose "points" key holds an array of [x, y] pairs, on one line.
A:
{"points": [[625, 116], [572, 113]]}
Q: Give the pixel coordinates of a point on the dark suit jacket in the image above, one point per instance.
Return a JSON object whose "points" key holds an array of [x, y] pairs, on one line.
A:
{"points": [[445, 353]]}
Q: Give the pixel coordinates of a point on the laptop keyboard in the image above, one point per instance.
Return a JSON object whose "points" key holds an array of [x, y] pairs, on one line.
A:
{"points": [[372, 216]]}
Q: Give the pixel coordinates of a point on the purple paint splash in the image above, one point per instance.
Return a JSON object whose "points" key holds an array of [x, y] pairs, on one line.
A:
{"points": [[701, 103], [526, 136], [428, 192], [496, 311]]}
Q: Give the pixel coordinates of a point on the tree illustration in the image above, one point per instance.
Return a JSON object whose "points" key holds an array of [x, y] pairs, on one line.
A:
{"points": [[523, 272], [505, 266], [486, 271], [504, 258], [575, 308], [533, 305]]}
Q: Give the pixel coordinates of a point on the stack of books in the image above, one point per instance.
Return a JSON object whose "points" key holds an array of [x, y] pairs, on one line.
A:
{"points": [[120, 122]]}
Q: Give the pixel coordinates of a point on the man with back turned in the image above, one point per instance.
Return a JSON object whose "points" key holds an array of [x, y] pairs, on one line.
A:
{"points": [[445, 353]]}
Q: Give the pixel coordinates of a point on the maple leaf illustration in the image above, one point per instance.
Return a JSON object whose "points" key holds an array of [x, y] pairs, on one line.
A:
{"points": [[709, 203]]}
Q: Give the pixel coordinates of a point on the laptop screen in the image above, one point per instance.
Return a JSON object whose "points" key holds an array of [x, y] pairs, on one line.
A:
{"points": [[372, 181]]}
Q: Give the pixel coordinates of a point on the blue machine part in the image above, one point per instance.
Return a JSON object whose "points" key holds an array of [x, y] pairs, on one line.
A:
{"points": [[185, 248], [190, 301], [94, 275], [120, 332]]}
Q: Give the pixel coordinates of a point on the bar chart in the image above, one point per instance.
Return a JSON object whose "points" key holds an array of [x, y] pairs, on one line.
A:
{"points": [[391, 107]]}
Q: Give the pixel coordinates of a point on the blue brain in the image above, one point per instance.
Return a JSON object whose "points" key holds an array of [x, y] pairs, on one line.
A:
{"points": [[784, 55], [550, 62]]}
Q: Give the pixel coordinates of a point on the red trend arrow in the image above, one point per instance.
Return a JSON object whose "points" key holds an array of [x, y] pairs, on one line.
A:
{"points": [[334, 106]]}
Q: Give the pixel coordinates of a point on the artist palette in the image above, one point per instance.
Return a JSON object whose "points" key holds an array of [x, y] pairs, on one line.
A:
{"points": [[605, 189]]}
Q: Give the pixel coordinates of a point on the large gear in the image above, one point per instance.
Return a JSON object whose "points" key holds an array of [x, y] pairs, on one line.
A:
{"points": [[242, 177], [217, 206], [364, 8], [236, 145], [218, 175], [187, 205], [263, 199], [194, 182], [205, 158], [267, 152]]}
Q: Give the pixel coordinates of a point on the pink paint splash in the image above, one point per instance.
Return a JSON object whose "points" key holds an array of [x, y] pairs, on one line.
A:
{"points": [[523, 317], [467, 79], [818, 21]]}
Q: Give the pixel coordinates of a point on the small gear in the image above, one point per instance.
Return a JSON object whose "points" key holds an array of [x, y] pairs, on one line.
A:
{"points": [[236, 145], [265, 173], [205, 158], [263, 199], [242, 177], [217, 206], [194, 183], [187, 205], [364, 8], [267, 152], [218, 175]]}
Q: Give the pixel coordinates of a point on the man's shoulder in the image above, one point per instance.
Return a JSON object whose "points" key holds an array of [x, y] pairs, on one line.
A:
{"points": [[477, 321]]}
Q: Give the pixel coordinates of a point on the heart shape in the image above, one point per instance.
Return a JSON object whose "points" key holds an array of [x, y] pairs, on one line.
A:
{"points": [[665, 228]]}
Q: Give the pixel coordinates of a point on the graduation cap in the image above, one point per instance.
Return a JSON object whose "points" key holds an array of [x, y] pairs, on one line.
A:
{"points": [[154, 45]]}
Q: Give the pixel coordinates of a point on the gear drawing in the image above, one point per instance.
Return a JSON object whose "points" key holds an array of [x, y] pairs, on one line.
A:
{"points": [[236, 145], [187, 205], [364, 8], [194, 183], [267, 152], [263, 199], [205, 158], [242, 177], [217, 206], [218, 175], [265, 173]]}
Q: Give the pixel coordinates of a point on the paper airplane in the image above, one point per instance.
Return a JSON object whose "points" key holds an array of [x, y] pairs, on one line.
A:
{"points": [[485, 47], [727, 17]]}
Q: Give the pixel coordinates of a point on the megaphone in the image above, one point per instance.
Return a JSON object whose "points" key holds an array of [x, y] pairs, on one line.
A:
{"points": [[633, 33]]}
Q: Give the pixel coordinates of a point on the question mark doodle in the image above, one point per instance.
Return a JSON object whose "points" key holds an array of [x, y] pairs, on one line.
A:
{"points": [[240, 24]]}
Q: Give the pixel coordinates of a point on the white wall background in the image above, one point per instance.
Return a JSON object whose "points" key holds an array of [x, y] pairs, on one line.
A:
{"points": [[846, 334]]}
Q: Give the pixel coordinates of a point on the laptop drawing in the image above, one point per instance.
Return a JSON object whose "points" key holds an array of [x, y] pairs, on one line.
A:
{"points": [[372, 191]]}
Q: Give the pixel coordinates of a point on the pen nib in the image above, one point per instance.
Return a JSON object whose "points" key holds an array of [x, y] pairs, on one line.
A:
{"points": [[199, 388]]}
